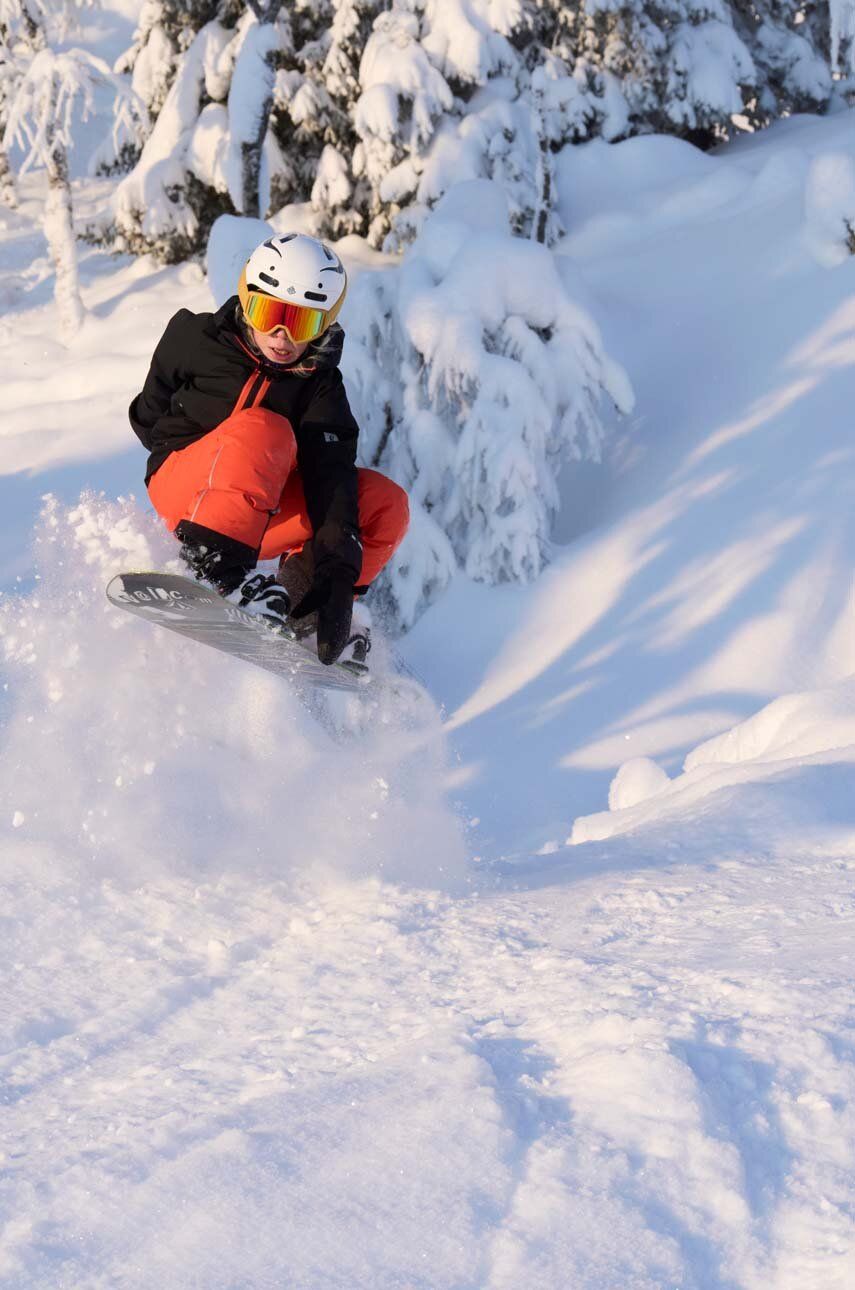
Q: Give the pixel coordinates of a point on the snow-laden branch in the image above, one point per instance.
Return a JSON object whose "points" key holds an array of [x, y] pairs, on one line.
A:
{"points": [[55, 89]]}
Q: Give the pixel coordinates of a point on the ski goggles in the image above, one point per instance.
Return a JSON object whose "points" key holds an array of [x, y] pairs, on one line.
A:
{"points": [[266, 314]]}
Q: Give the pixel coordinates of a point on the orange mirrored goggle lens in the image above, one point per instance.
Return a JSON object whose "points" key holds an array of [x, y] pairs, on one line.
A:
{"points": [[265, 314]]}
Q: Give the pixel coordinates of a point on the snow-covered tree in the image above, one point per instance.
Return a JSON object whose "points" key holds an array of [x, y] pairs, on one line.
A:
{"points": [[43, 92], [789, 43], [302, 119], [403, 95], [366, 92], [164, 29], [21, 36], [315, 98], [494, 114], [249, 103], [842, 37], [691, 66], [53, 90], [8, 79], [503, 136], [475, 386], [533, 75], [210, 150], [152, 209]]}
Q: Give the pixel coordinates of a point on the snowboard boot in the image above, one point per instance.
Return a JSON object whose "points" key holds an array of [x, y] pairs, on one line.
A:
{"points": [[264, 597], [214, 558]]}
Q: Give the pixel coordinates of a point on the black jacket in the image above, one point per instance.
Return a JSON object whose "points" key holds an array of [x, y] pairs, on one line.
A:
{"points": [[197, 373]]}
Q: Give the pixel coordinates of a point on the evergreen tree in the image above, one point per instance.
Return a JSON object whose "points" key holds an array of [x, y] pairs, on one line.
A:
{"points": [[790, 50], [165, 30], [688, 67], [249, 105], [474, 387], [45, 91], [842, 40], [403, 96], [341, 197], [21, 36], [510, 104], [305, 118], [9, 79], [210, 150]]}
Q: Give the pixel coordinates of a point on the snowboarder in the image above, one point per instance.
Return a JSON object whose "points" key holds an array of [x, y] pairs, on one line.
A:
{"points": [[253, 448]]}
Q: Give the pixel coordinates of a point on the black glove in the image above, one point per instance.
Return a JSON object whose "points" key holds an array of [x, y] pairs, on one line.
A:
{"points": [[331, 594]]}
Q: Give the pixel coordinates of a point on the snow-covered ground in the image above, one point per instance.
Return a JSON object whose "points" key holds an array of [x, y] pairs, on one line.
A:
{"points": [[551, 991]]}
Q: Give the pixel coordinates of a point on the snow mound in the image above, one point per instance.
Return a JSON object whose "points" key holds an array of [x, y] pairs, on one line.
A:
{"points": [[796, 725], [636, 781], [795, 732], [231, 242], [598, 178], [134, 753]]}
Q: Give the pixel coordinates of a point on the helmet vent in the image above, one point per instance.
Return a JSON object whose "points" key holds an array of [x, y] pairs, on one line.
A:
{"points": [[271, 282], [313, 295]]}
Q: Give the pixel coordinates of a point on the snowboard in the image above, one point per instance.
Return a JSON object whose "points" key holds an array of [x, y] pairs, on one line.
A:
{"points": [[193, 610]]}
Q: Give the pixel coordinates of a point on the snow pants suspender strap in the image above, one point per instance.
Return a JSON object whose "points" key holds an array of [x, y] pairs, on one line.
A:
{"points": [[250, 397]]}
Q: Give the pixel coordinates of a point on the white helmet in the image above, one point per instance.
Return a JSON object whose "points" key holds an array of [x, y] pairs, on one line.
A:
{"points": [[299, 270]]}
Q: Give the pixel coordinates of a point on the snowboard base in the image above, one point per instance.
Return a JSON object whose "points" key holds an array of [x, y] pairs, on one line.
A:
{"points": [[193, 610]]}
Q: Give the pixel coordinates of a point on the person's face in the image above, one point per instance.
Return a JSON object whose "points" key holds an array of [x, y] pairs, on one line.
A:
{"points": [[278, 347]]}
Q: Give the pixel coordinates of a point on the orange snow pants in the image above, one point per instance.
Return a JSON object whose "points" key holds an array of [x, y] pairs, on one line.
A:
{"points": [[241, 480]]}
